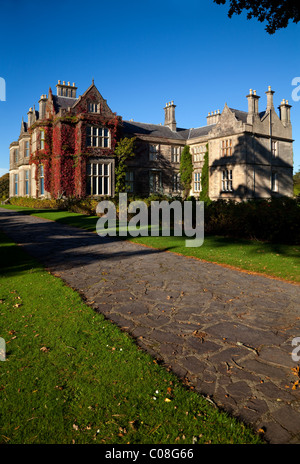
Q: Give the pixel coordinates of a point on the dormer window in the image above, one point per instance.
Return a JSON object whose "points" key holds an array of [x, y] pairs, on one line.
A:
{"points": [[97, 137], [93, 108]]}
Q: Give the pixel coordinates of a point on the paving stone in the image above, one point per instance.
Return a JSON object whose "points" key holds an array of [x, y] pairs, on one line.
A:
{"points": [[288, 418], [165, 301]]}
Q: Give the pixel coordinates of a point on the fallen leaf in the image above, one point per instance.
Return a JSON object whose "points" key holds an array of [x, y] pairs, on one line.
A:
{"points": [[44, 349]]}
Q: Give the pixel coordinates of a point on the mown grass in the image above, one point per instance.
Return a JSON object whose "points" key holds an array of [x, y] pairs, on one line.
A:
{"points": [[71, 376], [274, 260]]}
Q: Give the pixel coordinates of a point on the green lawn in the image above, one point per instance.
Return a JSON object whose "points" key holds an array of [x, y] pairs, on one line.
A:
{"points": [[276, 260], [70, 376]]}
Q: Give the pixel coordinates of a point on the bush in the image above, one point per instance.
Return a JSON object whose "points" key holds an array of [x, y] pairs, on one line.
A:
{"points": [[274, 220], [37, 203]]}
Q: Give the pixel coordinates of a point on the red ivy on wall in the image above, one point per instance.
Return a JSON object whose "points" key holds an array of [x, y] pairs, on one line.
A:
{"points": [[65, 154]]}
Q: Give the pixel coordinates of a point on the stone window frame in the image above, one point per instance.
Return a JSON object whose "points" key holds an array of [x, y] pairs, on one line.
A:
{"points": [[227, 180], [42, 139], [16, 155], [93, 107], [152, 188], [41, 180], [94, 172], [197, 182], [27, 148], [226, 147], [175, 154], [153, 152], [98, 137], [274, 148], [27, 181], [16, 183], [129, 180], [176, 185], [274, 181]]}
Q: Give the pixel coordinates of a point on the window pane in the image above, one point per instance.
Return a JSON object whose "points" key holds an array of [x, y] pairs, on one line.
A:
{"points": [[88, 186], [105, 185], [94, 192]]}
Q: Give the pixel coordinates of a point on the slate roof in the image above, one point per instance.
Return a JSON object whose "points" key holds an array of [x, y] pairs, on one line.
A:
{"points": [[63, 102], [155, 130], [240, 115]]}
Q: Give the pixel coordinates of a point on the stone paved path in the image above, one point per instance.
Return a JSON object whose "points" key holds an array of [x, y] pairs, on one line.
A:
{"points": [[229, 333]]}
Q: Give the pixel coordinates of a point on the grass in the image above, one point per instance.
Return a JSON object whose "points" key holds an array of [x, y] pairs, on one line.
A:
{"points": [[71, 376], [274, 260]]}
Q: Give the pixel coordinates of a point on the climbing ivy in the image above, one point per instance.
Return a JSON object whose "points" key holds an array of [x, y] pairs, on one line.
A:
{"points": [[204, 195], [186, 170], [123, 152]]}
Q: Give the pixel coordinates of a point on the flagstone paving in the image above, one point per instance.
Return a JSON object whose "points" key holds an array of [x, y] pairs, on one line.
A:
{"points": [[227, 332]]}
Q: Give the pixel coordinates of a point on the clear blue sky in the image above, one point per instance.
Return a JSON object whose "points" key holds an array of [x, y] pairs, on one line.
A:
{"points": [[142, 55]]}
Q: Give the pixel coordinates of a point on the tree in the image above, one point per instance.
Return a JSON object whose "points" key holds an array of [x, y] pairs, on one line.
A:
{"points": [[4, 186], [186, 170], [205, 179], [296, 182], [277, 13], [123, 152]]}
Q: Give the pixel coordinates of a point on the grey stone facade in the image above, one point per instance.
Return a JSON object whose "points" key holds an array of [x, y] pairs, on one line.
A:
{"points": [[250, 153]]}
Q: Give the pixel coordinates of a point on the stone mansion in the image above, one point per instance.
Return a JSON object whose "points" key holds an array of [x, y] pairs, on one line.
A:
{"points": [[67, 148]]}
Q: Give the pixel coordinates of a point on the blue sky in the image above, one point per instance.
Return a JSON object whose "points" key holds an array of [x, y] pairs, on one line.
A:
{"points": [[142, 55]]}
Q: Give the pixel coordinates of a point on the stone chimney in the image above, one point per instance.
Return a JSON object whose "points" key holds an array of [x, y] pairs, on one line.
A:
{"points": [[66, 90], [170, 116], [270, 93], [30, 117], [42, 106], [213, 117], [252, 106], [285, 112]]}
